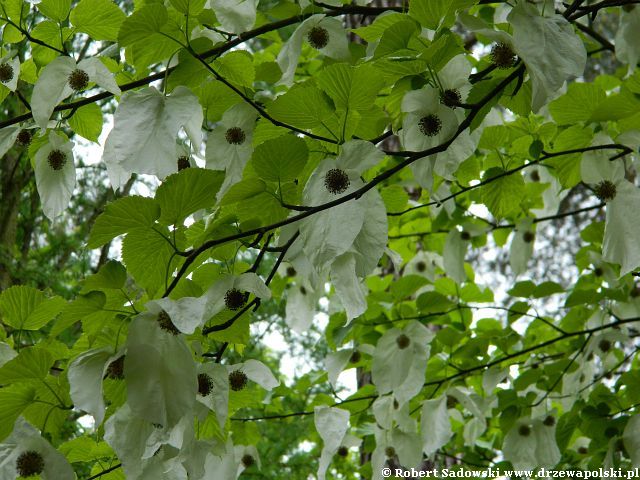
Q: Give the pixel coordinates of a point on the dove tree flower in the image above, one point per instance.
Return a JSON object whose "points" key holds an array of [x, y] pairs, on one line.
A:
{"points": [[9, 71], [55, 174], [229, 146], [325, 34], [25, 453], [531, 443], [622, 200], [145, 129], [62, 77]]}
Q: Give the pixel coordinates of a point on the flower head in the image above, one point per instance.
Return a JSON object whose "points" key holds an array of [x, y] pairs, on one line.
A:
{"points": [[55, 174]]}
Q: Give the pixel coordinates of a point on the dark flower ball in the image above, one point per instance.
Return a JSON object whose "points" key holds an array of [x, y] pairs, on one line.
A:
{"points": [[291, 272], [318, 37], [403, 341], [303, 290], [604, 345], [390, 452], [235, 136], [503, 56], [205, 384], [57, 159], [451, 97], [583, 450], [549, 421], [421, 266], [78, 80], [343, 451], [234, 299], [183, 162], [535, 176], [528, 237], [465, 236], [115, 370], [164, 320], [248, 460], [430, 125], [451, 401], [598, 271], [336, 181], [6, 72], [24, 138], [524, 430], [237, 380], [605, 190], [29, 464], [355, 357]]}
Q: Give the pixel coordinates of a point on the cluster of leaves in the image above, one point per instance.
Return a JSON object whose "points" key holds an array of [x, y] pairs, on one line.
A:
{"points": [[319, 164]]}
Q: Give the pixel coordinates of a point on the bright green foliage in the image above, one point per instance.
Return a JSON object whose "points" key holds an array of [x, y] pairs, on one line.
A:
{"points": [[434, 208]]}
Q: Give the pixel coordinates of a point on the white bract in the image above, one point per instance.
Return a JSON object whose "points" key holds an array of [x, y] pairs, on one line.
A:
{"points": [[53, 84], [218, 399], [328, 31], [229, 145], [621, 231], [405, 445], [25, 438], [348, 239], [398, 366], [547, 44], [145, 129], [85, 380], [257, 372], [8, 137], [189, 313], [531, 444], [521, 248], [435, 425], [332, 425], [161, 374], [627, 41], [631, 438], [14, 65], [235, 16], [55, 174]]}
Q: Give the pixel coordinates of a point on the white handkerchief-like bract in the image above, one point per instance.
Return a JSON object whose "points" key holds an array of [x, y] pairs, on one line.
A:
{"points": [[54, 84], [189, 313], [547, 44], [332, 425], [85, 379], [26, 440], [521, 247], [55, 174], [160, 371], [628, 37], [623, 202], [229, 145], [11, 72], [8, 137], [435, 425], [236, 16], [325, 34], [531, 443], [145, 129], [400, 360], [348, 239]]}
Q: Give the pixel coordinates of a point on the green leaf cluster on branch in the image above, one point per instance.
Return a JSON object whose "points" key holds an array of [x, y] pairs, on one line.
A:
{"points": [[300, 164]]}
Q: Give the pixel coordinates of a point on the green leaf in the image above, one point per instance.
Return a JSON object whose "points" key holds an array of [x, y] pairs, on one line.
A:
{"points": [[236, 67], [502, 196], [373, 32], [32, 363], [243, 190], [122, 216], [87, 121], [147, 255], [432, 13], [522, 289], [394, 197], [302, 106], [26, 308], [189, 7], [186, 192], [578, 104], [280, 159], [13, 400], [353, 88], [100, 19], [567, 167], [546, 289], [111, 275], [142, 23], [57, 10]]}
